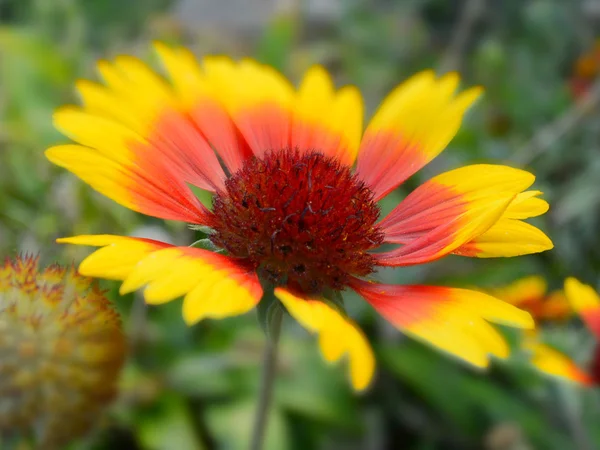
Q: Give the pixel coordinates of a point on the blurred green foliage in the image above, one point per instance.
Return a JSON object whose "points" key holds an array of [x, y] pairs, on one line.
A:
{"points": [[195, 388]]}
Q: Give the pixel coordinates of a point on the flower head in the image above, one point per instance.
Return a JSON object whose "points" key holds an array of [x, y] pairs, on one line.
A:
{"points": [[302, 219], [585, 71], [586, 302], [61, 350], [289, 210], [580, 298]]}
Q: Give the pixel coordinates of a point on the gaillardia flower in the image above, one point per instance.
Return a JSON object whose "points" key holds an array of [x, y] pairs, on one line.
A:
{"points": [[61, 351], [586, 302], [585, 71], [295, 186], [531, 294], [580, 298]]}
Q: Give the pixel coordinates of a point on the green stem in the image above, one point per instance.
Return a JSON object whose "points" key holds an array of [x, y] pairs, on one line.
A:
{"points": [[572, 416], [267, 382]]}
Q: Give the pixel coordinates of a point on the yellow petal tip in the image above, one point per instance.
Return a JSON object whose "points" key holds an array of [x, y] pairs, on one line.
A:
{"points": [[62, 111], [125, 289], [528, 322]]}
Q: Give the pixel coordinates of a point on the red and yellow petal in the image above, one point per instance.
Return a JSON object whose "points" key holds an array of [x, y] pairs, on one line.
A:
{"points": [[507, 238], [446, 238], [452, 320], [258, 99], [464, 211], [132, 94], [118, 255], [213, 285], [253, 101], [448, 196], [199, 95], [326, 120], [450, 210], [552, 362], [525, 205], [138, 146], [510, 236], [338, 336], [412, 126], [163, 196], [586, 302], [172, 138]]}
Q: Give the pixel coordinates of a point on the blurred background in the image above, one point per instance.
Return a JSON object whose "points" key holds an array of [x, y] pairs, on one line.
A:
{"points": [[195, 388]]}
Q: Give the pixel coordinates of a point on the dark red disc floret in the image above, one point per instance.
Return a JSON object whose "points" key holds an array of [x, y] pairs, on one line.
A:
{"points": [[303, 220]]}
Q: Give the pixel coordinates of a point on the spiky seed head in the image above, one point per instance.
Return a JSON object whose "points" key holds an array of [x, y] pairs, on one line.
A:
{"points": [[61, 351]]}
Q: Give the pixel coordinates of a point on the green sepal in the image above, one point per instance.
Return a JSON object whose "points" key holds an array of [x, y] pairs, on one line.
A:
{"points": [[335, 299], [269, 313], [207, 244], [203, 229]]}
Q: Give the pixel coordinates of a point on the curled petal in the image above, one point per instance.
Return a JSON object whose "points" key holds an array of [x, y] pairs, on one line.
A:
{"points": [[450, 194], [526, 205], [452, 200], [510, 236], [446, 237], [506, 238]]}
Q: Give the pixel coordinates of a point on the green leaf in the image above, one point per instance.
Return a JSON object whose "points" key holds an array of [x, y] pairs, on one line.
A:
{"points": [[204, 375], [277, 42], [480, 397], [314, 389], [169, 426], [232, 426]]}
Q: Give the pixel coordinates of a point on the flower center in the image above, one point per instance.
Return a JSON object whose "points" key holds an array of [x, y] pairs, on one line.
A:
{"points": [[303, 219]]}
